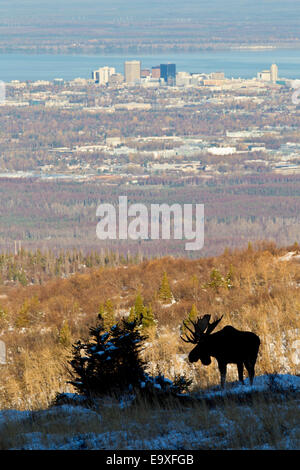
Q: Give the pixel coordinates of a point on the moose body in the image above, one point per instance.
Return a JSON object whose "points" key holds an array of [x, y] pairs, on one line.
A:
{"points": [[228, 346]]}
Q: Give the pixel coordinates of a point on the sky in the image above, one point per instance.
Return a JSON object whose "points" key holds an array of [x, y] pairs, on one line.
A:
{"points": [[276, 11]]}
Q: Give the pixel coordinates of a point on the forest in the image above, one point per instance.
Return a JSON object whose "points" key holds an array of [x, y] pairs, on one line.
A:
{"points": [[62, 215]]}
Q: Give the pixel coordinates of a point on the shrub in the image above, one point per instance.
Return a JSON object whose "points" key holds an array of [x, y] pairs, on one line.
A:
{"points": [[110, 364], [165, 293], [142, 314]]}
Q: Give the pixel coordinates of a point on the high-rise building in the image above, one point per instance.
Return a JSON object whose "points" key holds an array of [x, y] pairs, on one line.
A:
{"points": [[274, 73], [102, 75], [132, 71], [168, 73], [156, 71]]}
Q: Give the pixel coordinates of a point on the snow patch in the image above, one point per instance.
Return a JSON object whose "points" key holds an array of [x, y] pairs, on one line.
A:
{"points": [[291, 255], [173, 434]]}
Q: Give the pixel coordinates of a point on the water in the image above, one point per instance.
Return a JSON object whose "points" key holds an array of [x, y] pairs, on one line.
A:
{"points": [[235, 63]]}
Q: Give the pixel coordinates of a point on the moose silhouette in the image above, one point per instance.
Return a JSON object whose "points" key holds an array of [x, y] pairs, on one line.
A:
{"points": [[228, 346]]}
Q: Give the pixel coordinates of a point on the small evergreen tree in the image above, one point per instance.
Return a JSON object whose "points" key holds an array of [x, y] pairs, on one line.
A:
{"points": [[148, 320], [141, 314], [29, 313], [138, 308], [64, 335], [193, 313], [136, 312], [22, 319], [131, 316], [192, 316], [21, 276], [106, 312], [165, 293], [229, 278], [110, 362], [217, 280]]}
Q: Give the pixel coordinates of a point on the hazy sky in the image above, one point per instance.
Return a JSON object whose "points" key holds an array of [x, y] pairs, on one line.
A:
{"points": [[249, 10]]}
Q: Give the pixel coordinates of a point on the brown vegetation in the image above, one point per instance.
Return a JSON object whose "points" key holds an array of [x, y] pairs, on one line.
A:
{"points": [[38, 322]]}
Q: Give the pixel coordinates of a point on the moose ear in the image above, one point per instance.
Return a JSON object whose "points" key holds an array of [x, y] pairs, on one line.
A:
{"points": [[213, 325]]}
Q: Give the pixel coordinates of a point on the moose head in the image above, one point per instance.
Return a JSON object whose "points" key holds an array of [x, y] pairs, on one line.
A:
{"points": [[202, 330]]}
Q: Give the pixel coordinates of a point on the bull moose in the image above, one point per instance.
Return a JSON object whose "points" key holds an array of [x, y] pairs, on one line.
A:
{"points": [[228, 346]]}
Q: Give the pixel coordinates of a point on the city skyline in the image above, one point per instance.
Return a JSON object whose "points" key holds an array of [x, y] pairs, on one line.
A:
{"points": [[235, 64], [166, 74]]}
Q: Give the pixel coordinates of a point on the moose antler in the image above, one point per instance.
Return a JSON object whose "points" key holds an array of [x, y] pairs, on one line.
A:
{"points": [[213, 325], [200, 326]]}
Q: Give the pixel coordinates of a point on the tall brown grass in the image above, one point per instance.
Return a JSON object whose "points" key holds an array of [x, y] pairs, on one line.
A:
{"points": [[263, 424], [265, 299]]}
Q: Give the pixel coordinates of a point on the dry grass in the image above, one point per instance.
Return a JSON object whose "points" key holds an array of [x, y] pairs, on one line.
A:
{"points": [[265, 299], [263, 423], [33, 378]]}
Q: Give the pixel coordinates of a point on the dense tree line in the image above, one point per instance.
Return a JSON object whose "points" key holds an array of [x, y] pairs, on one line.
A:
{"points": [[26, 267], [62, 215]]}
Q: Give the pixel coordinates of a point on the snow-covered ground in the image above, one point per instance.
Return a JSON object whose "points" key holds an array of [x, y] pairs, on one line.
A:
{"points": [[280, 382], [258, 423], [291, 255]]}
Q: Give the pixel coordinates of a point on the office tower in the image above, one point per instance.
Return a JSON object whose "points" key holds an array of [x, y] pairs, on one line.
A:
{"points": [[168, 73], [156, 71], [132, 71], [274, 73], [102, 75]]}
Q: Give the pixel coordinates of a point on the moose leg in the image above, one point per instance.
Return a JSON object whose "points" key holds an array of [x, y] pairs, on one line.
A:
{"points": [[240, 367], [222, 369], [249, 364]]}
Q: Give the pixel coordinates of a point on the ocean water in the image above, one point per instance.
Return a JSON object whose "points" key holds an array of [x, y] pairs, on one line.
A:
{"points": [[234, 63]]}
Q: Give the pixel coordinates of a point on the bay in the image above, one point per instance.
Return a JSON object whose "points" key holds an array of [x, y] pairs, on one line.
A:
{"points": [[234, 63]]}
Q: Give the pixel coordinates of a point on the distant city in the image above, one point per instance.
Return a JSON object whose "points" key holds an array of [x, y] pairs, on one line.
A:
{"points": [[151, 122], [165, 74]]}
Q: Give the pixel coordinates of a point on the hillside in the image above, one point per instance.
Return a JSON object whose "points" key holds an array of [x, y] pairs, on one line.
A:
{"points": [[256, 289]]}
